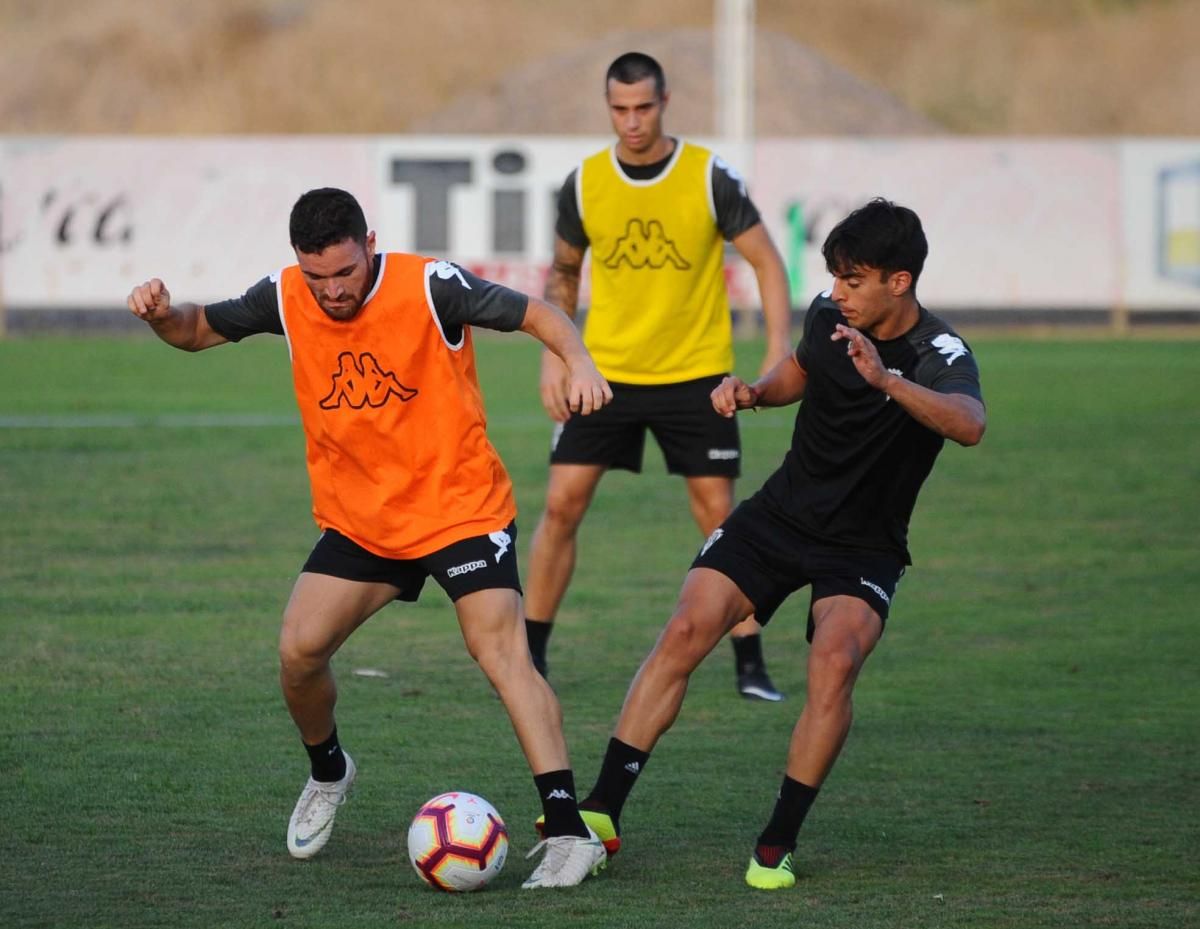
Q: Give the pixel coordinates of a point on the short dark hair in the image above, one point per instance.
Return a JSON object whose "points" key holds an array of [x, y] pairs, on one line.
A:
{"points": [[636, 66], [325, 217], [878, 235]]}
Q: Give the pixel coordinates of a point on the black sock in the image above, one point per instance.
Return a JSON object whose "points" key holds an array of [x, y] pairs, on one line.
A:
{"points": [[790, 809], [538, 633], [328, 761], [618, 773], [557, 790], [747, 652]]}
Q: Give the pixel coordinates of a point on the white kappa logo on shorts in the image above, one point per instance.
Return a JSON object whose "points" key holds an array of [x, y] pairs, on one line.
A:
{"points": [[712, 539], [502, 540], [465, 568]]}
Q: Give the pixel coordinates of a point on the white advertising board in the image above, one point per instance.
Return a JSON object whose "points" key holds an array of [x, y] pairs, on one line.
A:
{"points": [[82, 220], [1161, 197], [1009, 224], [1012, 224]]}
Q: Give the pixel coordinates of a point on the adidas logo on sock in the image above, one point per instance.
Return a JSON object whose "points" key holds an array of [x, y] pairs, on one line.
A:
{"points": [[633, 767], [559, 794]]}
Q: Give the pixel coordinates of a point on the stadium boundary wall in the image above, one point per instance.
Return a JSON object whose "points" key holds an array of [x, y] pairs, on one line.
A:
{"points": [[1051, 226]]}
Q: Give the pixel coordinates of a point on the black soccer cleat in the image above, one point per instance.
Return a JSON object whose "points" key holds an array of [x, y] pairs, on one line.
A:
{"points": [[755, 684]]}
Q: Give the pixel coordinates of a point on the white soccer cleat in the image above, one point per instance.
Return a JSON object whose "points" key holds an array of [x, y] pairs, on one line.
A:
{"points": [[568, 860], [312, 819]]}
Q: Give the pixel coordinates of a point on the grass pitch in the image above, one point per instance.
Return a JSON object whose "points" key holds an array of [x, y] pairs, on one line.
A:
{"points": [[1025, 752]]}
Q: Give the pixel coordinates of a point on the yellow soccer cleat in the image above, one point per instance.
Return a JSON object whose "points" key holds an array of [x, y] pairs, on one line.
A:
{"points": [[761, 877]]}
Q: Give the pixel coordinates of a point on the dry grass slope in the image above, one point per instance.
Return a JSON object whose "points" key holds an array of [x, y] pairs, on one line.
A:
{"points": [[376, 66]]}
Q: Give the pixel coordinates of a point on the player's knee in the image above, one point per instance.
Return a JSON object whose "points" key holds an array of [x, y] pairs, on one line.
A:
{"points": [[565, 510], [835, 666], [300, 657], [495, 658], [684, 642]]}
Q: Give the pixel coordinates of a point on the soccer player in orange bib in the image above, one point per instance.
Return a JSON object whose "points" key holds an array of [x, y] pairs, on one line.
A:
{"points": [[405, 483]]}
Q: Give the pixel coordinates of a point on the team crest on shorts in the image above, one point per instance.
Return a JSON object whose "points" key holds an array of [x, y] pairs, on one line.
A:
{"points": [[502, 540]]}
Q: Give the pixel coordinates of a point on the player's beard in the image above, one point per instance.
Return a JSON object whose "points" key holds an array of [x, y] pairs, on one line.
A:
{"points": [[343, 310]]}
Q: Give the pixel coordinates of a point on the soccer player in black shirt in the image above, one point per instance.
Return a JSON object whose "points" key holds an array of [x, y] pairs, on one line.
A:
{"points": [[883, 384]]}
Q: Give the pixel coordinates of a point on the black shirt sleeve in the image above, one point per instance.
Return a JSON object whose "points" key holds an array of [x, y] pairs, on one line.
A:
{"points": [[736, 212], [461, 298], [946, 363], [569, 226], [255, 311], [952, 371], [802, 349]]}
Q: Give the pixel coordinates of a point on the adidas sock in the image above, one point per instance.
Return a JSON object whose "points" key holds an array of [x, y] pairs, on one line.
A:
{"points": [[537, 634], [557, 790], [747, 652], [790, 809], [327, 759], [769, 856], [618, 773]]}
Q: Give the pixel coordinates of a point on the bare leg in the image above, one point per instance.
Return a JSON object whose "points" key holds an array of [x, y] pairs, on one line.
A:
{"points": [[319, 617], [552, 550], [493, 628], [847, 630], [710, 604]]}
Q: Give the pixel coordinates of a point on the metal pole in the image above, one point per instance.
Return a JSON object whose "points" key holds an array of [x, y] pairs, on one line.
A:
{"points": [[733, 101], [733, 52]]}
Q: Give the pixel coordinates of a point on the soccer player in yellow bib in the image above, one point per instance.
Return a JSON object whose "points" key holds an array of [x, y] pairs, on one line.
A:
{"points": [[656, 212]]}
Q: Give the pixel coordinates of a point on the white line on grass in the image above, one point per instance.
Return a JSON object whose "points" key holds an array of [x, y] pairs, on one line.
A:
{"points": [[258, 420], [145, 420]]}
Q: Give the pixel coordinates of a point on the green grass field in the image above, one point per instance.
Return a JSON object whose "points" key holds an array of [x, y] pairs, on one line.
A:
{"points": [[1025, 752]]}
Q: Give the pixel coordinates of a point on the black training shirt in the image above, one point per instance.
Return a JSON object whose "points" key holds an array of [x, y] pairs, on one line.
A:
{"points": [[858, 459]]}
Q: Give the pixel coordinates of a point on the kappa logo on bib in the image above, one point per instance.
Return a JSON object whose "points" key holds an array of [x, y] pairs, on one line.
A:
{"points": [[361, 381], [645, 245]]}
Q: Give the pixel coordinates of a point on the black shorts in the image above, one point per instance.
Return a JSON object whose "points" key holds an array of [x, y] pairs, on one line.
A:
{"points": [[695, 439], [482, 562], [769, 560]]}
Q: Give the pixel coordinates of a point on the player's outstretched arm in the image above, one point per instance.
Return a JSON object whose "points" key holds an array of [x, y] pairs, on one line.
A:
{"points": [[757, 247], [586, 389], [562, 290], [958, 417], [783, 384], [184, 326]]}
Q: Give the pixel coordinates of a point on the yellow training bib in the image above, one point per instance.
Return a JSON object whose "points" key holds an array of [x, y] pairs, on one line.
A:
{"points": [[659, 312]]}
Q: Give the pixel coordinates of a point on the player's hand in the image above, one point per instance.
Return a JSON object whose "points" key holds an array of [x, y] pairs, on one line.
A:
{"points": [[733, 394], [587, 390], [555, 387], [150, 301], [863, 353]]}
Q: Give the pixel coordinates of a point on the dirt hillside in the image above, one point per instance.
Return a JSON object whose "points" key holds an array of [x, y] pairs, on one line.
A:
{"points": [[377, 66]]}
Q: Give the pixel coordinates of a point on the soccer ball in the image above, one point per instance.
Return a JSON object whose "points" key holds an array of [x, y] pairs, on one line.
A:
{"points": [[457, 842]]}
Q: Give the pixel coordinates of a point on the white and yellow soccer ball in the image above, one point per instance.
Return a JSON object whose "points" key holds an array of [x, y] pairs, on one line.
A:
{"points": [[457, 842]]}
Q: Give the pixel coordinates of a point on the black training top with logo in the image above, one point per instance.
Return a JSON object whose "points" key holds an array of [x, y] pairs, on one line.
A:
{"points": [[858, 459], [459, 299]]}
